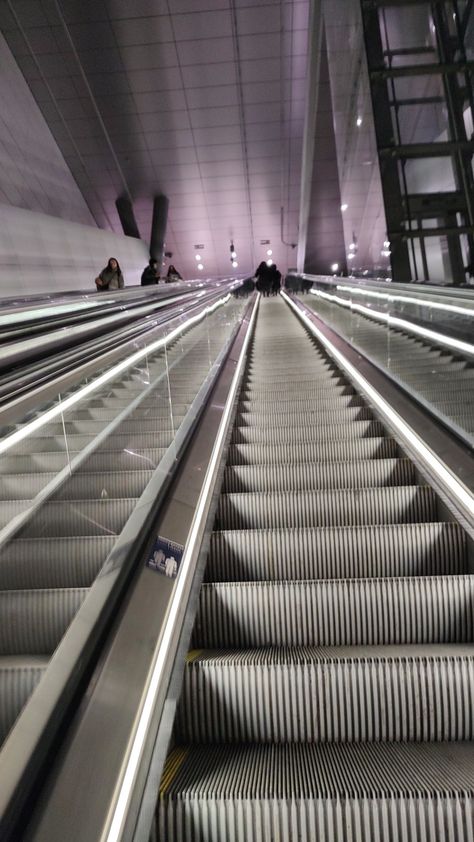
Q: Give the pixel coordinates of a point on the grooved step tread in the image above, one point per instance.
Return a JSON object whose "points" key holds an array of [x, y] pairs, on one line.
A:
{"points": [[325, 770]]}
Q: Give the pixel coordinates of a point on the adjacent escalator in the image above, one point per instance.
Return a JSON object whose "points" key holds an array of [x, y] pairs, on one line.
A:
{"points": [[328, 691]]}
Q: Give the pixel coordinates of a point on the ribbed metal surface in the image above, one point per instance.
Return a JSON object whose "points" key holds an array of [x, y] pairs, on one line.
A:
{"points": [[312, 451], [350, 792], [18, 679], [65, 562], [403, 504], [340, 552], [336, 613], [302, 477], [46, 569], [305, 432], [312, 695], [329, 692], [33, 622]]}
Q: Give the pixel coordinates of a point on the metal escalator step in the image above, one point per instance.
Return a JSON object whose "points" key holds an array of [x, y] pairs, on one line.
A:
{"points": [[314, 475], [352, 792], [158, 413], [62, 563], [297, 376], [18, 678], [348, 612], [128, 459], [308, 432], [75, 443], [32, 463], [310, 694], [316, 416], [302, 404], [415, 549], [104, 484], [20, 486], [93, 428], [312, 451], [32, 622], [61, 519], [402, 504], [273, 392]]}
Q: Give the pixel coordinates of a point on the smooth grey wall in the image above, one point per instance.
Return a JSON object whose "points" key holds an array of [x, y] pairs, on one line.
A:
{"points": [[49, 240]]}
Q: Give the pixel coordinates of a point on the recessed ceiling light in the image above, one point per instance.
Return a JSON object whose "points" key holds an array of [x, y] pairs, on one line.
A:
{"points": [[234, 264], [359, 121], [269, 252], [200, 267], [197, 257], [334, 267], [344, 207]]}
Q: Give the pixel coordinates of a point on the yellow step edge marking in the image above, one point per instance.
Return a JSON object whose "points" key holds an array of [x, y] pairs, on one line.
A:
{"points": [[173, 764], [193, 655]]}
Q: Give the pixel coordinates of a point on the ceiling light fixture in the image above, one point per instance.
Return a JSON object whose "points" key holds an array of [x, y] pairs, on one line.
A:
{"points": [[269, 252], [334, 267], [269, 262], [200, 267], [344, 207], [234, 264], [359, 121], [197, 257]]}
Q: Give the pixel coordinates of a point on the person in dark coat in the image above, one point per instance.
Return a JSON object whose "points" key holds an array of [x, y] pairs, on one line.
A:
{"points": [[276, 279], [264, 278], [150, 274], [172, 275], [111, 276]]}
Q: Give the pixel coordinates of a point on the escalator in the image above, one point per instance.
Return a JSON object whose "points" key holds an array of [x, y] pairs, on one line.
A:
{"points": [[104, 450], [328, 690]]}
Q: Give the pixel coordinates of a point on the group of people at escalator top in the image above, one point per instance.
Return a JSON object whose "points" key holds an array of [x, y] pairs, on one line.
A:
{"points": [[268, 279], [111, 276]]}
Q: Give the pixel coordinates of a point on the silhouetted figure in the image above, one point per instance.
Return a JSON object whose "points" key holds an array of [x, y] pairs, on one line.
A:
{"points": [[172, 274], [276, 280], [264, 278], [111, 276], [150, 274]]}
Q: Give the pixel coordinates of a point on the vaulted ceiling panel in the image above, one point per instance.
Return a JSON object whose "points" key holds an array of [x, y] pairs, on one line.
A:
{"points": [[200, 99]]}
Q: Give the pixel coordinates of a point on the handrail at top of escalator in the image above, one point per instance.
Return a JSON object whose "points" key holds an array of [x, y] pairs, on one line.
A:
{"points": [[33, 737], [38, 313], [440, 314], [42, 372], [18, 352]]}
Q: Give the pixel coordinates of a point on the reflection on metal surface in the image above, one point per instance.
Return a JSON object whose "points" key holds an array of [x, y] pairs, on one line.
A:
{"points": [[445, 476], [399, 324], [49, 415]]}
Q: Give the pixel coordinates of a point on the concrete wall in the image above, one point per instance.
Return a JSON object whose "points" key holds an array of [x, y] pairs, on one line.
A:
{"points": [[49, 240], [39, 253]]}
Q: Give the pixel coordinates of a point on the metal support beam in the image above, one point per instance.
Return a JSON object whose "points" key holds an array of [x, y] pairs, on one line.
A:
{"points": [[127, 217], [314, 66], [158, 228], [395, 212]]}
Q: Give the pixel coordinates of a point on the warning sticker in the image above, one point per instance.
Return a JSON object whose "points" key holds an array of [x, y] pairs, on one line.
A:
{"points": [[165, 557]]}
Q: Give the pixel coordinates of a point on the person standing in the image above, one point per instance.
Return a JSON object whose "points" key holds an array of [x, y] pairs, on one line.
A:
{"points": [[150, 274], [172, 275], [111, 276]]}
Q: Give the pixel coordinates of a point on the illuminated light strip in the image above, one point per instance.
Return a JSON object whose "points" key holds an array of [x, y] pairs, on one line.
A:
{"points": [[403, 324], [117, 816], [62, 406], [460, 491], [390, 296]]}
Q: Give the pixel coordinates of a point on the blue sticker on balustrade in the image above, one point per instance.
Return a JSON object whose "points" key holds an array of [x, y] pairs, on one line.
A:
{"points": [[165, 557]]}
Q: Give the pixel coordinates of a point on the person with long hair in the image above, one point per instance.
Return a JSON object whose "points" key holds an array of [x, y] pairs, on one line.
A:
{"points": [[111, 276]]}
